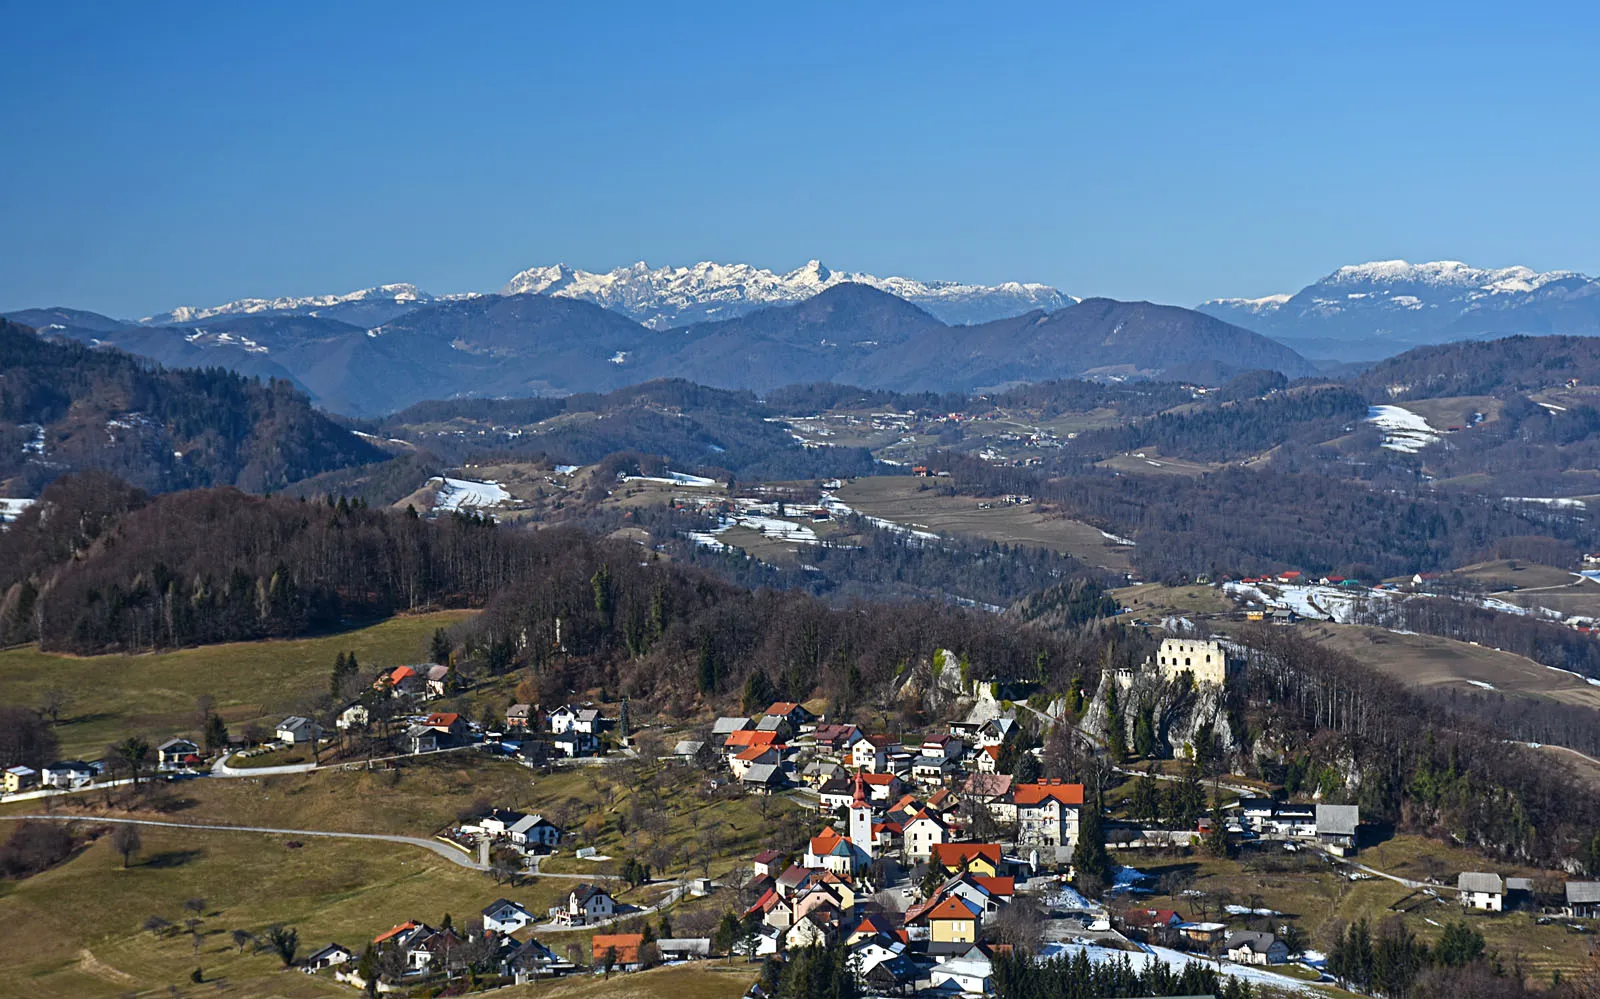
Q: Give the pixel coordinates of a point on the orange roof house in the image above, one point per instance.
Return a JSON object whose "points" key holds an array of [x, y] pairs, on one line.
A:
{"points": [[1042, 791], [750, 738], [955, 856], [396, 676], [404, 927], [445, 720], [625, 945]]}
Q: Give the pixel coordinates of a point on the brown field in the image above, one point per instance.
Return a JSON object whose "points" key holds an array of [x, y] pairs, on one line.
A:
{"points": [[1426, 661], [914, 502], [1149, 601], [1149, 462], [1454, 411]]}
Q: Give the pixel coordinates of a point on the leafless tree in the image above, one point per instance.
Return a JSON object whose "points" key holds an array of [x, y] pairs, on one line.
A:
{"points": [[125, 840]]}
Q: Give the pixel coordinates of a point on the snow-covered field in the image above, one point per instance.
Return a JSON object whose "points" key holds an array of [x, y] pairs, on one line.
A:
{"points": [[1402, 429], [1176, 960], [469, 494], [672, 479], [1320, 603]]}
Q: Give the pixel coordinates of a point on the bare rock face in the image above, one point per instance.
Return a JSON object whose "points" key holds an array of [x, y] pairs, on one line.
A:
{"points": [[938, 684], [1181, 712]]}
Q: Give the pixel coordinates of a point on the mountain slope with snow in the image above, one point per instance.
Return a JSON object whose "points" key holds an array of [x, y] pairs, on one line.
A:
{"points": [[369, 306], [1387, 306], [664, 297]]}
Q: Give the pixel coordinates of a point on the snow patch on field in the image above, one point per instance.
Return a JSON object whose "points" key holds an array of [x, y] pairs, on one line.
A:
{"points": [[1402, 429], [1482, 684], [1176, 960], [469, 494], [672, 479]]}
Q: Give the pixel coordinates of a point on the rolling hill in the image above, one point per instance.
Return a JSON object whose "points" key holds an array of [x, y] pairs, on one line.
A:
{"points": [[67, 407]]}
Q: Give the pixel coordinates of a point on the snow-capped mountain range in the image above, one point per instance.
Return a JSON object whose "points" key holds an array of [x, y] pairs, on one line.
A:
{"points": [[658, 297], [664, 297], [374, 305], [1400, 304]]}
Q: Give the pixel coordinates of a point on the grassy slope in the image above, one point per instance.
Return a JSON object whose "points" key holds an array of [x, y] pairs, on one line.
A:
{"points": [[75, 931], [915, 502], [154, 695], [1320, 901], [1426, 661]]}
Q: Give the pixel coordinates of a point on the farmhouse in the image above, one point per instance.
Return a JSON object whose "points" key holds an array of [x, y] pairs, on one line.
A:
{"points": [[1583, 899], [1256, 947], [505, 916], [1481, 891]]}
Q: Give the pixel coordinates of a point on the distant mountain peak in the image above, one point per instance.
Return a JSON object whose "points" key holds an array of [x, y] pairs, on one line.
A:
{"points": [[1382, 307], [663, 297]]}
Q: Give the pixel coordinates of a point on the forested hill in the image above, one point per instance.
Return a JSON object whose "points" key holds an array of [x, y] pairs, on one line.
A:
{"points": [[1484, 367], [66, 407]]}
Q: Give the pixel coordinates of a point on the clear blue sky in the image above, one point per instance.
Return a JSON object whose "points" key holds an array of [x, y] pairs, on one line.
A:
{"points": [[177, 153]]}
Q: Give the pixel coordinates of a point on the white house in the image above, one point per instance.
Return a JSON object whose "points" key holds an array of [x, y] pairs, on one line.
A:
{"points": [[67, 773], [330, 956], [355, 716], [505, 916], [1482, 891], [970, 972], [869, 755], [1255, 947], [922, 834], [587, 720], [296, 730], [561, 719], [534, 830], [586, 904]]}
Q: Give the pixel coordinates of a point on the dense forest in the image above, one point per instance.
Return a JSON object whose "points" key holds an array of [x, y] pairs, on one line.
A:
{"points": [[1508, 365], [1412, 760], [1244, 521], [718, 432], [65, 406], [1235, 429]]}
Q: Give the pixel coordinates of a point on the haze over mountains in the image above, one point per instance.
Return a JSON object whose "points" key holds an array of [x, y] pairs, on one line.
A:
{"points": [[557, 330], [375, 351]]}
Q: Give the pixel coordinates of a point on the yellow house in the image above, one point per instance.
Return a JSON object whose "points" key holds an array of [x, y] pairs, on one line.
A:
{"points": [[951, 921], [981, 859], [20, 778]]}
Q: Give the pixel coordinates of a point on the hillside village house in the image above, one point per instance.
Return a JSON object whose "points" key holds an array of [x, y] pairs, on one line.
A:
{"points": [[67, 774], [20, 778], [982, 859], [175, 754], [505, 916], [518, 714], [1047, 815], [922, 834], [1481, 891], [296, 731], [618, 950], [796, 715], [1583, 900], [436, 680], [870, 754], [330, 956], [534, 831], [1256, 947], [585, 904], [355, 716]]}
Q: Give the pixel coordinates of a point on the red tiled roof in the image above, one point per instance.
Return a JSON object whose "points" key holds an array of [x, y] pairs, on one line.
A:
{"points": [[625, 944], [442, 719], [750, 737], [884, 779], [754, 753], [782, 707], [951, 908], [996, 886], [1034, 794], [825, 841], [956, 854]]}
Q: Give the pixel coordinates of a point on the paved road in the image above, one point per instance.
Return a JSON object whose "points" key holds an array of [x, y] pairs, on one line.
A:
{"points": [[453, 854]]}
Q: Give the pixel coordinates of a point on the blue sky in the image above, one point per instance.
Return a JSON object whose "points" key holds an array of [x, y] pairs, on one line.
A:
{"points": [[165, 154]]}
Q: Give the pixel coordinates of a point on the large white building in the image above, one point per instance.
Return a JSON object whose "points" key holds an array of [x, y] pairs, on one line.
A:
{"points": [[1203, 658]]}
